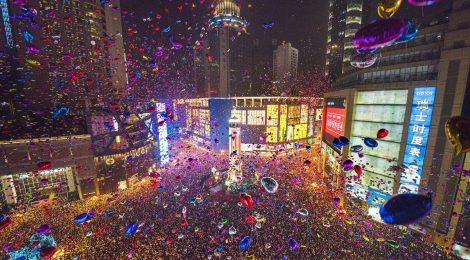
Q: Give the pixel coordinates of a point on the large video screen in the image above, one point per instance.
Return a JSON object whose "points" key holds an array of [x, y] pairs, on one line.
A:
{"points": [[334, 119]]}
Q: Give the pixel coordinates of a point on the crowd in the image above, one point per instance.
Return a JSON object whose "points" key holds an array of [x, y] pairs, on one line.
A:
{"points": [[330, 231]]}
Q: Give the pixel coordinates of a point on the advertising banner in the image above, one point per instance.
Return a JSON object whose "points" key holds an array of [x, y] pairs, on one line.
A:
{"points": [[334, 115], [162, 135], [417, 140], [335, 121]]}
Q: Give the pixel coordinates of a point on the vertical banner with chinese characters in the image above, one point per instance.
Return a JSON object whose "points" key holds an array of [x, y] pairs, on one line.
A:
{"points": [[417, 140]]}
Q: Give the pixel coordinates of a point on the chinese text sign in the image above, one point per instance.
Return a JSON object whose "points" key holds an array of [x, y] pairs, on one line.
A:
{"points": [[417, 140]]}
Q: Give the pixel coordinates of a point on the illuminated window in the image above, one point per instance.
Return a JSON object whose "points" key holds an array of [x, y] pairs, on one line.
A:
{"points": [[240, 114], [27, 185], [273, 115], [294, 111], [256, 117], [353, 19], [283, 123], [189, 120], [304, 114], [300, 131], [354, 7], [271, 134], [350, 32]]}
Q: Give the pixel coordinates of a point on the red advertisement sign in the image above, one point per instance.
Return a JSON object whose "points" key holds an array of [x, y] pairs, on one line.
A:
{"points": [[335, 121]]}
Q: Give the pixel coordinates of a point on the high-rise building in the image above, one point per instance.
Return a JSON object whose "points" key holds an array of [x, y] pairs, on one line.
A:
{"points": [[206, 68], [285, 61], [345, 19], [412, 92], [241, 66], [64, 53], [226, 26], [200, 71], [114, 46], [9, 76]]}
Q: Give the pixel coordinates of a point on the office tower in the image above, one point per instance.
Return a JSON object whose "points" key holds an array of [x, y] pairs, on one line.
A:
{"points": [[114, 47], [200, 71], [285, 61], [345, 18], [8, 73]]}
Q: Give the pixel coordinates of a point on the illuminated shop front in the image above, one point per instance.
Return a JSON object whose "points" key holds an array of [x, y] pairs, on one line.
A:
{"points": [[334, 114], [29, 186], [396, 164], [115, 171], [198, 119], [331, 168], [124, 154], [70, 163], [268, 123]]}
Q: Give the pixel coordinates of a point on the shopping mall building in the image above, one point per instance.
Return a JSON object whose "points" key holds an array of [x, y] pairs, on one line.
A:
{"points": [[67, 163], [267, 123], [412, 91], [120, 149]]}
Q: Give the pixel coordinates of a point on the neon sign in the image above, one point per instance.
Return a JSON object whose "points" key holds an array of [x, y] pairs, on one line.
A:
{"points": [[162, 135], [417, 140], [6, 22]]}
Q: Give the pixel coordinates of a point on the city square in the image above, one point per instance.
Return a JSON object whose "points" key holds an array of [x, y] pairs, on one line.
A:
{"points": [[235, 129]]}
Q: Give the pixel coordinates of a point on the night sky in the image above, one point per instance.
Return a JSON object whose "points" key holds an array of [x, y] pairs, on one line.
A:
{"points": [[302, 22], [149, 25]]}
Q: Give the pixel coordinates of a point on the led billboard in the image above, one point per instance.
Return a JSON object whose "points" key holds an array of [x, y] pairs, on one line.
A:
{"points": [[162, 135], [334, 119], [417, 140]]}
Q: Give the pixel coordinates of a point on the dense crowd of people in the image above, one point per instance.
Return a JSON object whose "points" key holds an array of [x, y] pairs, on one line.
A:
{"points": [[180, 219]]}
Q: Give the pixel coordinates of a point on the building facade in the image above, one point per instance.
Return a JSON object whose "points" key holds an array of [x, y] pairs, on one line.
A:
{"points": [[412, 91], [114, 46], [46, 168], [285, 62], [345, 18], [267, 123]]}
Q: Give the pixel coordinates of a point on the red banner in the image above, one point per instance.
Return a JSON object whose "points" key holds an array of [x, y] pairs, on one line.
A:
{"points": [[335, 121]]}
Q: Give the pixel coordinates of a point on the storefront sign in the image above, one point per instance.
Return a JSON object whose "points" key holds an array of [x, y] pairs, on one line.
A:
{"points": [[335, 122], [417, 140]]}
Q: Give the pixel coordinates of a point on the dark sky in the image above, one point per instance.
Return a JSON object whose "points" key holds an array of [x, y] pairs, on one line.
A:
{"points": [[302, 22]]}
